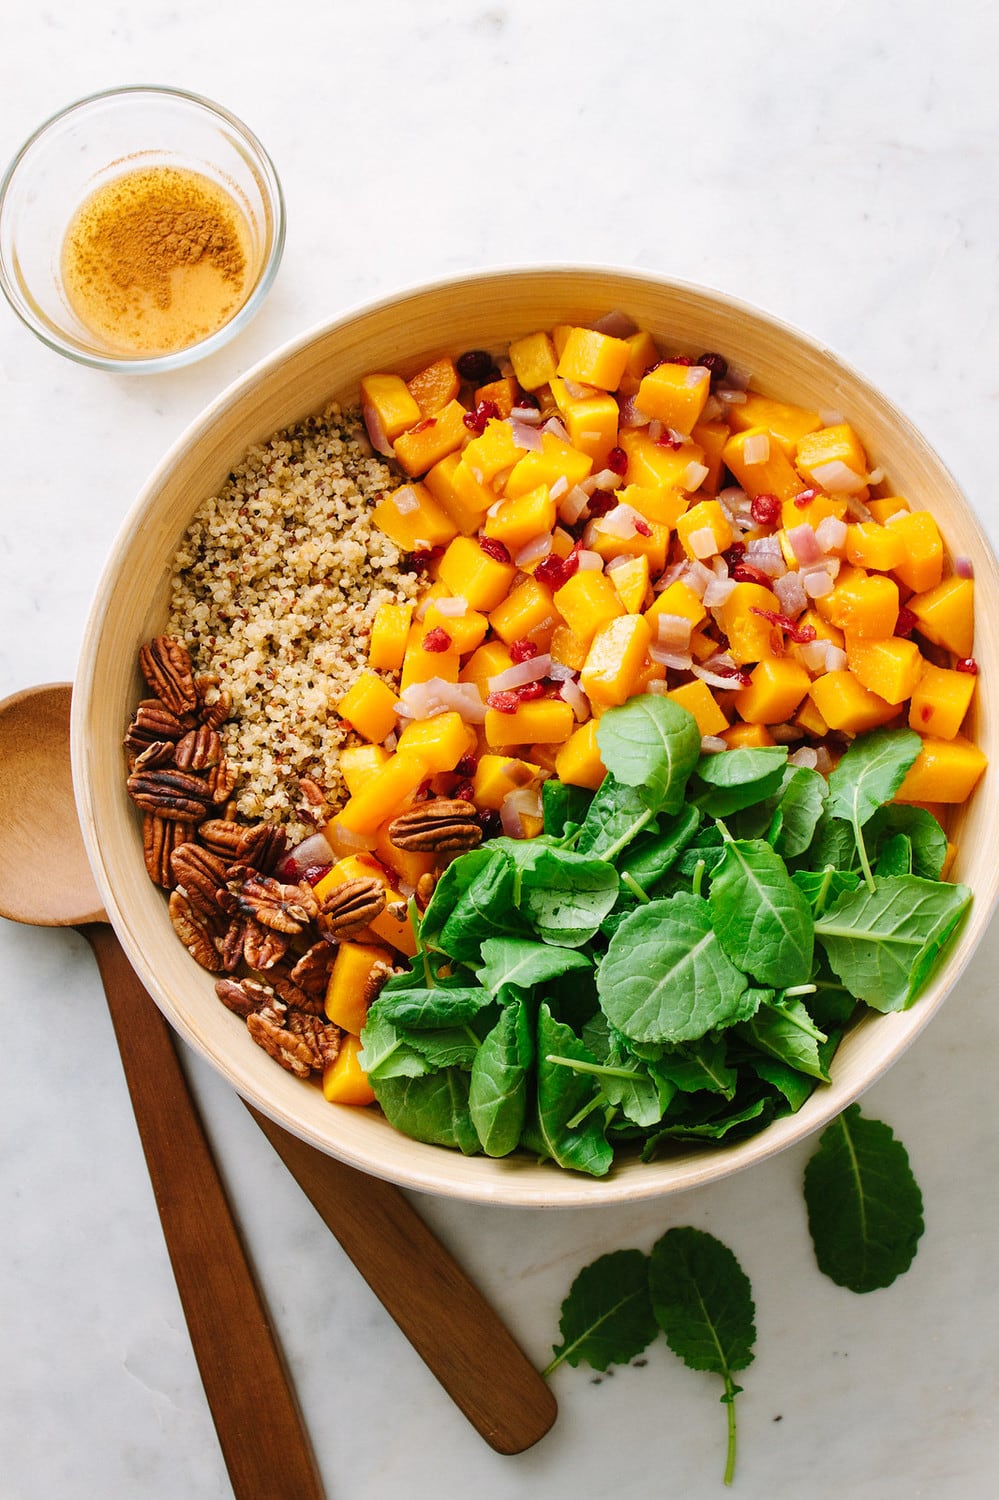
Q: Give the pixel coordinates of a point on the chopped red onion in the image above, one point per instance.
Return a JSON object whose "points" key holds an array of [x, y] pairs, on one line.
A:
{"points": [[572, 505], [573, 694], [694, 476], [526, 436], [730, 396], [451, 606], [830, 534], [766, 553], [523, 802], [963, 567], [529, 414], [521, 673], [656, 429], [697, 374], [673, 631], [737, 379], [790, 592], [630, 414], [589, 562], [557, 429], [805, 544], [836, 657], [831, 418], [678, 661], [712, 408], [670, 575], [837, 477], [876, 476], [696, 576], [817, 582], [311, 852], [376, 431], [712, 744], [604, 479], [577, 391], [717, 591], [715, 679], [616, 324], [532, 551], [756, 449], [621, 522], [856, 509], [823, 760], [558, 488], [702, 542], [424, 700], [405, 500], [559, 672], [807, 756], [812, 655]]}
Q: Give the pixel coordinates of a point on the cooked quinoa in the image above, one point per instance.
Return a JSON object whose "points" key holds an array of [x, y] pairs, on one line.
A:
{"points": [[274, 590]]}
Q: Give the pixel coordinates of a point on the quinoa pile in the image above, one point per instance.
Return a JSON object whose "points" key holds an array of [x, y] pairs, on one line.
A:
{"points": [[274, 589]]}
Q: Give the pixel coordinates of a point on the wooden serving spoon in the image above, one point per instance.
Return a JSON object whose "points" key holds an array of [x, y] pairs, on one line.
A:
{"points": [[445, 1317]]}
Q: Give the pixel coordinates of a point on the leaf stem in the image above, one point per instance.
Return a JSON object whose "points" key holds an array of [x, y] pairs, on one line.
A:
{"points": [[598, 1070], [698, 879], [629, 880], [729, 1399], [865, 863]]}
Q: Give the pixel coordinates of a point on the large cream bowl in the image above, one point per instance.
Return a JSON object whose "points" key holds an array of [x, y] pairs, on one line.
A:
{"points": [[401, 333]]}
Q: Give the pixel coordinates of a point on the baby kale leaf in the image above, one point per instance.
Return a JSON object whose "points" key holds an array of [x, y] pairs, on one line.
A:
{"points": [[726, 783], [652, 744], [607, 1317], [869, 775], [761, 917], [497, 1095]]}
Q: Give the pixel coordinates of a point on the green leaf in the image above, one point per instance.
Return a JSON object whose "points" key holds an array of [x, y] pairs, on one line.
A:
{"points": [[738, 778], [651, 856], [426, 1009], [700, 1065], [703, 1302], [869, 774], [785, 1029], [607, 1317], [666, 977], [865, 1210], [653, 744], [563, 807], [927, 839], [884, 943], [616, 815], [525, 963], [472, 901], [497, 1095], [762, 919], [385, 1051], [802, 798], [564, 895], [432, 1108], [821, 888], [561, 1095]]}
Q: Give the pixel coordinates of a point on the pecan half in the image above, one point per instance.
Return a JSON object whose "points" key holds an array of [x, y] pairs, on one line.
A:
{"points": [[321, 1036], [160, 837], [285, 908], [262, 846], [199, 749], [312, 971], [151, 722], [263, 946], [201, 876], [442, 825], [169, 793], [221, 782], [166, 665], [279, 977], [291, 1051], [159, 753], [351, 906], [221, 835], [195, 932], [244, 996]]}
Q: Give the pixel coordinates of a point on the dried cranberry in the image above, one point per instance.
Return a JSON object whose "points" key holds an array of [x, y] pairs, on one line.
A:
{"points": [[476, 419], [654, 366], [679, 359], [967, 664], [906, 622], [437, 640], [416, 562], [492, 823], [734, 554], [464, 792], [551, 571], [529, 691], [805, 497], [314, 873], [476, 366], [506, 702], [601, 501], [642, 526], [926, 713], [765, 510], [617, 461], [667, 440], [744, 572], [800, 634], [497, 550], [716, 363], [467, 765], [523, 650], [527, 399]]}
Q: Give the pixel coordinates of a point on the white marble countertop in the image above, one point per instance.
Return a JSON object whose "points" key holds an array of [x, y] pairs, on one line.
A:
{"points": [[834, 164]]}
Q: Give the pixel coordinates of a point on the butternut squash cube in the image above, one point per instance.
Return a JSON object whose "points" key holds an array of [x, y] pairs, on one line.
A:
{"points": [[413, 519], [810, 720], [578, 761], [519, 521], [603, 537], [434, 386], [392, 925], [844, 703], [591, 423], [614, 660], [494, 450], [642, 354], [946, 614], [533, 358], [675, 395], [586, 602], [677, 598], [392, 403], [472, 574], [760, 464], [878, 548], [751, 636], [488, 660], [833, 459], [663, 504], [527, 613], [741, 736], [369, 707], [421, 665], [891, 668], [943, 771], [652, 464], [568, 648], [786, 423], [466, 631], [592, 358], [864, 604], [420, 447], [544, 721], [458, 493], [359, 762], [384, 794], [358, 973], [344, 1080], [502, 393], [631, 580], [777, 686], [440, 741], [940, 701], [921, 565], [557, 460], [882, 508], [711, 438], [704, 530], [496, 776], [389, 634], [698, 699]]}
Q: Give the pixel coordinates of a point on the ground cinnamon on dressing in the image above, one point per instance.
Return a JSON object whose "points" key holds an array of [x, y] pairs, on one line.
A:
{"points": [[157, 260]]}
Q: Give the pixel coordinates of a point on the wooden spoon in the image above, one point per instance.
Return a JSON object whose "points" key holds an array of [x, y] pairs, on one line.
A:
{"points": [[445, 1317]]}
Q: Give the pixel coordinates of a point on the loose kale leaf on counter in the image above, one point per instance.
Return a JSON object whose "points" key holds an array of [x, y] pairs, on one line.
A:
{"points": [[607, 1317]]}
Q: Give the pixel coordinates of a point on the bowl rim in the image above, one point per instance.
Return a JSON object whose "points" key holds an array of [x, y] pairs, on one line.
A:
{"points": [[435, 1174], [272, 192]]}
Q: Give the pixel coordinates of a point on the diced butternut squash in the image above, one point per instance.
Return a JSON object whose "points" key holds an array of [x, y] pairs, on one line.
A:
{"points": [[921, 564], [777, 685], [440, 741], [741, 736], [578, 761], [591, 423], [357, 974], [434, 386], [631, 580], [393, 404], [891, 668], [369, 707], [359, 762], [661, 503], [413, 519], [494, 450], [545, 721], [496, 776], [653, 464], [592, 358], [786, 423], [521, 520], [344, 1080], [844, 703], [384, 794], [642, 355], [556, 460], [527, 613], [883, 508], [421, 665], [677, 598], [569, 649], [488, 660], [420, 447], [797, 510], [940, 701], [470, 572], [810, 720], [650, 540], [862, 604], [533, 359], [614, 660], [946, 614], [392, 925], [711, 438], [389, 634], [760, 464], [586, 602], [458, 493], [943, 771], [833, 459], [502, 393], [698, 699], [465, 631], [880, 549], [704, 530], [675, 395], [743, 619]]}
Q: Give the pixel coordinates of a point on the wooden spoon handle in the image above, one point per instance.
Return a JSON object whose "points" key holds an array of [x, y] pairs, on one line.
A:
{"points": [[444, 1316], [264, 1442]]}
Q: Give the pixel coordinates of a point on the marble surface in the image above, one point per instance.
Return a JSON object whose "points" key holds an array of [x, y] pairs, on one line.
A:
{"points": [[833, 164]]}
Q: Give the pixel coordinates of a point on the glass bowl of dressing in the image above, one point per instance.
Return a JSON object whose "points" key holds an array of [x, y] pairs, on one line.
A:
{"points": [[140, 229]]}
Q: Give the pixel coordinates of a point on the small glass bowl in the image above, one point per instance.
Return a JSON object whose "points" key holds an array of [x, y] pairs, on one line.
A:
{"points": [[82, 149]]}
